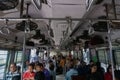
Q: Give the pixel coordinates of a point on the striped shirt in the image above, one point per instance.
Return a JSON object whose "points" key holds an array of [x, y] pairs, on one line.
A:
{"points": [[13, 76]]}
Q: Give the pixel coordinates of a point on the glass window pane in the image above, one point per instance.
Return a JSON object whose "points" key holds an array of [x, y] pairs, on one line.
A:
{"points": [[3, 57], [19, 56]]}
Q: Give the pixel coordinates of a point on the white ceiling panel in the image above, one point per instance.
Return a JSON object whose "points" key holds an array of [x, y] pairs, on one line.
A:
{"points": [[70, 1], [76, 11]]}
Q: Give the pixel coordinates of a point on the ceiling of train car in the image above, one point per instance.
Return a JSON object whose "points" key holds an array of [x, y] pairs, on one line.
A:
{"points": [[51, 9], [96, 11], [56, 9], [100, 10]]}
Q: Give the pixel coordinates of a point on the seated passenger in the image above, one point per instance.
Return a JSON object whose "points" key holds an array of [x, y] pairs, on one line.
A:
{"points": [[94, 75], [108, 74], [29, 74], [13, 74], [39, 75], [71, 72]]}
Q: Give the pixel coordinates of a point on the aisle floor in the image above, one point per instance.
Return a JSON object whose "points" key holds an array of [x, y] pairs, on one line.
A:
{"points": [[60, 77]]}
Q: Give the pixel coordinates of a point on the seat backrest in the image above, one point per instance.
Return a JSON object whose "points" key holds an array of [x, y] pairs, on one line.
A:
{"points": [[77, 77]]}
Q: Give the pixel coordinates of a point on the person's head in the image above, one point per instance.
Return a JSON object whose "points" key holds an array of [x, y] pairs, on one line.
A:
{"points": [[93, 68], [39, 67], [109, 69], [98, 64], [30, 67], [13, 67], [91, 62], [71, 64], [51, 65], [27, 62], [50, 61], [18, 68]]}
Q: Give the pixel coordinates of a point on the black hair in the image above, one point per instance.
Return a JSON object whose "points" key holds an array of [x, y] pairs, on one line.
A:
{"points": [[31, 65], [40, 64], [50, 61], [39, 76], [14, 64], [108, 68], [91, 61], [18, 68], [71, 63], [93, 65]]}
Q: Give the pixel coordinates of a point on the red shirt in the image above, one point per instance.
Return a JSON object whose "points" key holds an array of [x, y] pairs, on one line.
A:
{"points": [[108, 76], [28, 75]]}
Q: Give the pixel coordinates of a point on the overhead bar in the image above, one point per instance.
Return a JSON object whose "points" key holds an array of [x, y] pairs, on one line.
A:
{"points": [[73, 19]]}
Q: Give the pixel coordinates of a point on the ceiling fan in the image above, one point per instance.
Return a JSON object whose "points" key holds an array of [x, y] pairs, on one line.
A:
{"points": [[6, 29], [38, 35], [85, 35], [29, 25], [8, 4], [100, 26], [11, 43], [96, 39]]}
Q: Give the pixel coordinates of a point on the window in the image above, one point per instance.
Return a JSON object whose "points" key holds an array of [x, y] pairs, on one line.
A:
{"points": [[3, 57], [102, 55], [18, 57], [117, 57]]}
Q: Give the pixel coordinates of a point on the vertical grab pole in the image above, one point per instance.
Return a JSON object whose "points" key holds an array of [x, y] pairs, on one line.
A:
{"points": [[110, 42], [69, 21], [23, 53], [110, 49]]}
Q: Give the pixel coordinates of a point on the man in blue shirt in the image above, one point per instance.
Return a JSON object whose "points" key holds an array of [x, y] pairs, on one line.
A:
{"points": [[71, 72], [45, 71]]}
